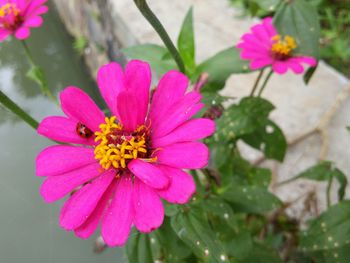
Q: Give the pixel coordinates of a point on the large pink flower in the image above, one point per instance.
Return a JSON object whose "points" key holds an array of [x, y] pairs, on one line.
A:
{"points": [[126, 162], [265, 47], [17, 16]]}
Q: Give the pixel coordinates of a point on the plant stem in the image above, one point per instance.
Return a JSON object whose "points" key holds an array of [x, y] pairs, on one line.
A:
{"points": [[265, 82], [287, 181], [13, 107], [257, 82], [158, 27], [328, 193], [42, 82]]}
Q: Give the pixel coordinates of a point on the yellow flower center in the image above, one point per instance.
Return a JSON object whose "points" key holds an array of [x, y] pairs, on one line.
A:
{"points": [[283, 47], [9, 9], [117, 147]]}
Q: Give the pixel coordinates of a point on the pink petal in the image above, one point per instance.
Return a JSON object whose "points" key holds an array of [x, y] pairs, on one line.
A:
{"points": [[181, 188], [35, 21], [180, 112], [90, 225], [138, 81], [149, 211], [171, 88], [191, 130], [39, 11], [32, 6], [63, 130], [269, 27], [149, 174], [126, 105], [56, 187], [307, 60], [185, 155], [116, 223], [110, 78], [296, 67], [260, 63], [82, 203], [22, 33], [279, 67], [261, 33], [4, 33], [59, 159], [248, 54], [77, 105]]}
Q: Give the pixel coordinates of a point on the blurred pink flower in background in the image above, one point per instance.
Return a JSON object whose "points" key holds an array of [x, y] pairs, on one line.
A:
{"points": [[126, 162], [17, 16], [265, 47]]}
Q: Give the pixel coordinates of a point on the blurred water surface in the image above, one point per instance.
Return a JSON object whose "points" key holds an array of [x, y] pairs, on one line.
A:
{"points": [[29, 230]]}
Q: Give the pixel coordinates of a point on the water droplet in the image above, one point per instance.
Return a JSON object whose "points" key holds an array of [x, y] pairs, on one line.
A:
{"points": [[323, 225], [206, 252], [271, 8], [198, 243], [153, 240], [315, 246], [223, 257], [330, 239], [336, 255], [244, 190], [249, 197], [336, 244], [312, 29], [226, 216]]}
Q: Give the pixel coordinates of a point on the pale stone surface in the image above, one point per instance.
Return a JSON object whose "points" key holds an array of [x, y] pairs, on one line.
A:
{"points": [[299, 107]]}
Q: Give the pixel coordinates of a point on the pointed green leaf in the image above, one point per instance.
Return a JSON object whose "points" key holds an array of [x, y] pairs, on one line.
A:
{"points": [[193, 228], [220, 67], [185, 42], [156, 55], [138, 248], [299, 19]]}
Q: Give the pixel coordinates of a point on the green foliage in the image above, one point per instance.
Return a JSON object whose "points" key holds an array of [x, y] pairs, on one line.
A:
{"points": [[325, 171], [220, 67], [299, 19], [186, 42], [158, 56], [79, 44], [249, 121], [329, 232]]}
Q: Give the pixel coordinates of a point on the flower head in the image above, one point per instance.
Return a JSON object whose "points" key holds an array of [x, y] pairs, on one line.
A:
{"points": [[123, 163], [17, 16], [265, 47]]}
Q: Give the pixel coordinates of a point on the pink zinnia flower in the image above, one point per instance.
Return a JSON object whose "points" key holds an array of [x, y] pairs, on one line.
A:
{"points": [[123, 164], [17, 16], [265, 47]]}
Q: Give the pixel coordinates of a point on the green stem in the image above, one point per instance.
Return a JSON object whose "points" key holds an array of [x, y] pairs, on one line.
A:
{"points": [[13, 107], [329, 186], [257, 81], [42, 81], [158, 27], [265, 82]]}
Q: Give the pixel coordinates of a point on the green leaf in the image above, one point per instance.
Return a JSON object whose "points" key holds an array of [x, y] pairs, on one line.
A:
{"points": [[220, 67], [268, 5], [242, 118], [174, 248], [185, 41], [251, 199], [192, 228], [156, 55], [269, 139], [323, 172], [300, 20], [138, 248], [331, 230], [36, 74], [308, 74]]}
